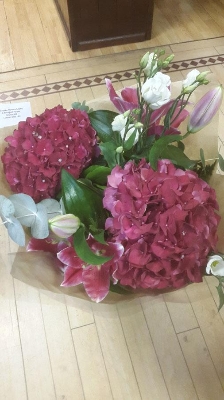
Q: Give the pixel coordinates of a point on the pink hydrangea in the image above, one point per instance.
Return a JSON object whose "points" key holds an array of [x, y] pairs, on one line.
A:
{"points": [[42, 146], [165, 219]]}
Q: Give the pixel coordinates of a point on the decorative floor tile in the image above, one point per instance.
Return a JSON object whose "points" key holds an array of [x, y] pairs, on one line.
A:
{"points": [[90, 81]]}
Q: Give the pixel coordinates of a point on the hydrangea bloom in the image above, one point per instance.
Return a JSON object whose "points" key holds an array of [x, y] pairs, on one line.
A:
{"points": [[165, 219], [42, 145]]}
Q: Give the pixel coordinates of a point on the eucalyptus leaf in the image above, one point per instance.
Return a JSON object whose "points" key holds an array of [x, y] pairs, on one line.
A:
{"points": [[81, 106], [101, 120], [15, 231], [6, 207], [39, 228], [25, 208], [52, 207], [83, 250]]}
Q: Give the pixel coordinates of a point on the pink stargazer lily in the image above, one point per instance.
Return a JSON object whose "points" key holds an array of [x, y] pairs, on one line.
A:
{"points": [[128, 100], [95, 279], [49, 245], [205, 109]]}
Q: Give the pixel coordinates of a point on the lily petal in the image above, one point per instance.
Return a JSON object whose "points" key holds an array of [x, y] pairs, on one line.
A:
{"points": [[119, 103], [72, 277], [96, 282], [130, 94]]}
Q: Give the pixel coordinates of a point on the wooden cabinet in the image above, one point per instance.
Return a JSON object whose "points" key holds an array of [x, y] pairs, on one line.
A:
{"points": [[96, 23]]}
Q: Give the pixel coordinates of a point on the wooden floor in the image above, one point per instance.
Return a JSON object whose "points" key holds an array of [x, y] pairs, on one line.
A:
{"points": [[168, 347]]}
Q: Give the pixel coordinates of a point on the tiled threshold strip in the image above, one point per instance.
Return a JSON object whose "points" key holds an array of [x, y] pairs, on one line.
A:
{"points": [[97, 80]]}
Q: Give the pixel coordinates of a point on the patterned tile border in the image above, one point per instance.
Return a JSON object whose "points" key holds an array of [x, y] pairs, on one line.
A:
{"points": [[97, 80]]}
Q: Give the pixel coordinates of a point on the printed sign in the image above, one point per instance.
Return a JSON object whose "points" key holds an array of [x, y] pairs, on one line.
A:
{"points": [[12, 114]]}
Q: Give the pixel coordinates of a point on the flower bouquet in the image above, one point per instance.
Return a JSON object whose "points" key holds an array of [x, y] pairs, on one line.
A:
{"points": [[111, 201]]}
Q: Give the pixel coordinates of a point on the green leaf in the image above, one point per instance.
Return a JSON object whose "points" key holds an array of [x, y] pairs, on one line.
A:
{"points": [[206, 172], [108, 150], [181, 146], [83, 200], [101, 121], [116, 288], [98, 234], [97, 174], [83, 250], [221, 294], [159, 146], [221, 162], [202, 156], [129, 143], [81, 106], [177, 156]]}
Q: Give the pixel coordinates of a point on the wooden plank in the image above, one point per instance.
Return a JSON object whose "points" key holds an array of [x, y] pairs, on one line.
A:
{"points": [[173, 365], [37, 364], [79, 312], [117, 358], [6, 56], [210, 323], [200, 365], [12, 382], [63, 360], [180, 310], [91, 364], [145, 363]]}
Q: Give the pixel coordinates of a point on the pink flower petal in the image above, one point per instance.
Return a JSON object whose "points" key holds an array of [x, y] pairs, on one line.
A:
{"points": [[69, 257], [96, 282], [72, 277], [119, 103]]}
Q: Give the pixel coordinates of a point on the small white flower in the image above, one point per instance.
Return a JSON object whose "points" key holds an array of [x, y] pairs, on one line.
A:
{"points": [[119, 123], [155, 91], [191, 77], [215, 265], [149, 68], [131, 129]]}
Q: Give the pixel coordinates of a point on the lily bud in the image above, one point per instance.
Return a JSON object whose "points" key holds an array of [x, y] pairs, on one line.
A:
{"points": [[168, 60], [64, 225], [205, 109], [126, 113], [138, 125], [201, 77], [119, 149], [190, 89], [144, 60]]}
